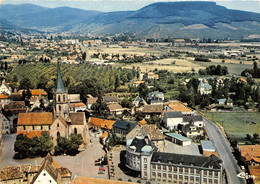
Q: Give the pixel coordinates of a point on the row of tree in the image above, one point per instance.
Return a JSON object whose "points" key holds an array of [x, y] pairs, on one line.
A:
{"points": [[214, 70]]}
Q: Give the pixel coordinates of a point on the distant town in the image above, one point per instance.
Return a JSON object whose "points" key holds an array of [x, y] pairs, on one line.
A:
{"points": [[79, 108]]}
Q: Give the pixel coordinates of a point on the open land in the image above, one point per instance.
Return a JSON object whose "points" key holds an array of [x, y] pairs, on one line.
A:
{"points": [[237, 124]]}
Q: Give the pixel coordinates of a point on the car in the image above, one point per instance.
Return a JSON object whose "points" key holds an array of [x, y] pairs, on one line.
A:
{"points": [[101, 172], [102, 168]]}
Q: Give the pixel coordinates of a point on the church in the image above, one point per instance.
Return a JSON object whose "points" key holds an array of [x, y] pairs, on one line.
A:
{"points": [[59, 123]]}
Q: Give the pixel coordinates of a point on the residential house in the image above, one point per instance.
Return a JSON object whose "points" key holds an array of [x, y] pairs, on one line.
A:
{"points": [[172, 119], [91, 101], [77, 107], [204, 88], [222, 101], [151, 75], [48, 172], [179, 42], [98, 123], [4, 99], [6, 124], [139, 102], [110, 99], [5, 89], [122, 128], [115, 109], [179, 106], [15, 107], [252, 155], [191, 130], [196, 119], [150, 131], [137, 83], [152, 110], [155, 97], [229, 102], [37, 94]]}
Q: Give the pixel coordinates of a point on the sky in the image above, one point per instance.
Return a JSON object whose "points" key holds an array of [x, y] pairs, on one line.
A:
{"points": [[122, 5]]}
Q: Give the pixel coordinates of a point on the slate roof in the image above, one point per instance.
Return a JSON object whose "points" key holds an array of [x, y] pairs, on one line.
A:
{"points": [[35, 118], [124, 125], [60, 88], [199, 161], [110, 99], [192, 118], [139, 142], [77, 118], [15, 106], [173, 114]]}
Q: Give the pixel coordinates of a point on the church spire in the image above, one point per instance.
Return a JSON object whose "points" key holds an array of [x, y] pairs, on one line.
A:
{"points": [[60, 86]]}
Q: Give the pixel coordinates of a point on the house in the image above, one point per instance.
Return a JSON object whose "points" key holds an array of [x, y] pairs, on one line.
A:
{"points": [[36, 93], [208, 148], [90, 101], [122, 128], [4, 99], [152, 110], [204, 88], [172, 119], [222, 101], [195, 119], [179, 42], [191, 130], [179, 106], [229, 102], [150, 131], [74, 98], [139, 102], [5, 89], [155, 97], [137, 83], [49, 171], [98, 123], [75, 107], [115, 109], [6, 124], [15, 107], [178, 139], [110, 99], [151, 75]]}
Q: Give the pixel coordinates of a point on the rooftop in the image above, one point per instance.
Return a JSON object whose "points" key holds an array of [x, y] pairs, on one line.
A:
{"points": [[103, 123], [124, 125], [36, 118], [178, 136], [207, 146]]}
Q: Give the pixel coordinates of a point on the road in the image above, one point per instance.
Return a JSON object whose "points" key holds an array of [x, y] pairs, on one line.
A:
{"points": [[224, 150]]}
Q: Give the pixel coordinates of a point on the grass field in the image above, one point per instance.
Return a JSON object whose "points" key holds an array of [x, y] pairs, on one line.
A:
{"points": [[237, 124]]}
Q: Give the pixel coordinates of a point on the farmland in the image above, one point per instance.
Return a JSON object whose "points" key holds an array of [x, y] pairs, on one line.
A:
{"points": [[237, 124]]}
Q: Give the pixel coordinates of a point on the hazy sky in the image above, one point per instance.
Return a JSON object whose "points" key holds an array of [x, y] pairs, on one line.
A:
{"points": [[117, 5]]}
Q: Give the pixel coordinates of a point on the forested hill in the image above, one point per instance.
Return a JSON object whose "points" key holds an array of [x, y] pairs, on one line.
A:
{"points": [[178, 19]]}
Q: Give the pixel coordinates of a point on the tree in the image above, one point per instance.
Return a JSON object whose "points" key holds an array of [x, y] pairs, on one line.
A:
{"points": [[6, 66], [45, 144], [75, 140], [25, 83], [84, 56], [117, 82], [143, 91], [100, 108], [42, 83], [22, 145]]}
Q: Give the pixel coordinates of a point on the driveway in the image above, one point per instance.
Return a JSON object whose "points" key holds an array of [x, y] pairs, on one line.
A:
{"points": [[225, 152]]}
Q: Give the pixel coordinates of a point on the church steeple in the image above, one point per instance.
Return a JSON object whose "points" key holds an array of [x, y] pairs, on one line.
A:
{"points": [[60, 97], [60, 86]]}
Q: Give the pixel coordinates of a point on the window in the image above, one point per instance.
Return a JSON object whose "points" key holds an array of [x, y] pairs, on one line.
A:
{"points": [[175, 176], [191, 178], [210, 173], [169, 176], [153, 166], [159, 175], [49, 127], [192, 171], [205, 173], [145, 174], [204, 180], [44, 174], [158, 167], [59, 108], [75, 131], [164, 168], [180, 177], [58, 134], [41, 127], [58, 125], [145, 166], [186, 170], [186, 178], [197, 179], [175, 169], [145, 160], [24, 127], [58, 98], [180, 170], [170, 168], [210, 181], [164, 175], [64, 98], [215, 174], [33, 127], [153, 174]]}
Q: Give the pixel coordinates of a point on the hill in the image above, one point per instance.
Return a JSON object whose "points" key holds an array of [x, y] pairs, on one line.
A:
{"points": [[177, 19]]}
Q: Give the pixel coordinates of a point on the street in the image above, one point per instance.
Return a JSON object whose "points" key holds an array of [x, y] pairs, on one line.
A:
{"points": [[224, 150]]}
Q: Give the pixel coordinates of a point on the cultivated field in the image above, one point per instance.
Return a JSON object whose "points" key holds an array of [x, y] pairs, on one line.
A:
{"points": [[237, 124]]}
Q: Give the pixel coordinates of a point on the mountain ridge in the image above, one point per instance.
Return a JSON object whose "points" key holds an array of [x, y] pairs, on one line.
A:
{"points": [[161, 19]]}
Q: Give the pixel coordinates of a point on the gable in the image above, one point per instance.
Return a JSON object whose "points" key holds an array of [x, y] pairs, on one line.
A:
{"points": [[45, 177]]}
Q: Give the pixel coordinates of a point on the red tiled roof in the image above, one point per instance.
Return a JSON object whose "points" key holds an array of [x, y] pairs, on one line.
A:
{"points": [[30, 134], [91, 100], [3, 96], [39, 118], [102, 123], [114, 107], [79, 104]]}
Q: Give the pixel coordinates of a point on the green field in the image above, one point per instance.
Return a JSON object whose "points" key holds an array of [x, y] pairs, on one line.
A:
{"points": [[237, 124]]}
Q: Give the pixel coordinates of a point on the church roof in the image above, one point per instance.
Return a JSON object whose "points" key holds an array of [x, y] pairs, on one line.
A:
{"points": [[60, 88]]}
